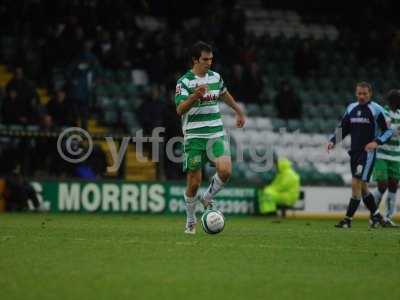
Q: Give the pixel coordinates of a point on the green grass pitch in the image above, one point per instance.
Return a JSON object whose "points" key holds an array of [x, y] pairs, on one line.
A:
{"points": [[71, 256]]}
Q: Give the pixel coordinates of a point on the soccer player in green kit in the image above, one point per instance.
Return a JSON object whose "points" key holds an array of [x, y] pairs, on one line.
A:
{"points": [[197, 95], [387, 166]]}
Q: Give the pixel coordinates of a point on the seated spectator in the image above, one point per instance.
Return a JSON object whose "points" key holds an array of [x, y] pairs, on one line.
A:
{"points": [[13, 110], [95, 167], [97, 161], [61, 109], [287, 103]]}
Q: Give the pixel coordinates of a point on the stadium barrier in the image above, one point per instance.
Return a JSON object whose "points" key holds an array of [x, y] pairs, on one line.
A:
{"points": [[134, 197], [113, 196]]}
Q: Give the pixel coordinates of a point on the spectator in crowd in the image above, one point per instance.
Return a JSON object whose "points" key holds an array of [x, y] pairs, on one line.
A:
{"points": [[171, 123], [69, 38], [50, 161], [305, 60], [13, 109], [97, 161], [252, 82], [104, 50], [249, 52], [95, 167], [88, 55], [61, 109], [24, 87], [230, 50], [236, 84], [120, 51], [26, 95], [287, 103], [18, 192], [79, 86], [9, 157], [150, 112], [14, 112]]}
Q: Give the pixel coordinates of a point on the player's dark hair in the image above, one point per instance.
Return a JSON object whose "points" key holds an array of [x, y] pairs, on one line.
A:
{"points": [[365, 84], [393, 99], [197, 48]]}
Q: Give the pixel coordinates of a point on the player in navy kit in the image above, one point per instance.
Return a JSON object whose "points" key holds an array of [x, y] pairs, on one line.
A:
{"points": [[364, 120]]}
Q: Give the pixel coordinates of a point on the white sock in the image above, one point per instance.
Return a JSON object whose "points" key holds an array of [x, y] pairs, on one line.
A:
{"points": [[215, 186], [191, 203], [390, 205], [377, 196]]}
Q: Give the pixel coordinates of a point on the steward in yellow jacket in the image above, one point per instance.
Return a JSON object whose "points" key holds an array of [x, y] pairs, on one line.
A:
{"points": [[283, 190]]}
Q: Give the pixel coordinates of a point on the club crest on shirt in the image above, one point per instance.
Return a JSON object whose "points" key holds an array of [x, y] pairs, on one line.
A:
{"points": [[359, 113], [195, 160], [178, 89]]}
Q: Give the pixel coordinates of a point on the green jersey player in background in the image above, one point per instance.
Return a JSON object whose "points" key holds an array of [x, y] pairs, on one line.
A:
{"points": [[196, 97], [387, 165]]}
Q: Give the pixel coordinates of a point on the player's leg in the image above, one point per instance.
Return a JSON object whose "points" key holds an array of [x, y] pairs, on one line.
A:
{"points": [[353, 204], [355, 199], [223, 166], [368, 161], [391, 202], [376, 218], [394, 177], [193, 181], [192, 165], [368, 199], [379, 192], [380, 175], [218, 153]]}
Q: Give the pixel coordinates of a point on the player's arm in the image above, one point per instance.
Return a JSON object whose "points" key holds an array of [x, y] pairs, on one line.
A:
{"points": [[185, 101], [340, 132], [384, 137], [230, 101]]}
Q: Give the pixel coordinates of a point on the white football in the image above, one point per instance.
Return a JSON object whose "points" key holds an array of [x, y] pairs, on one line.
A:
{"points": [[213, 221]]}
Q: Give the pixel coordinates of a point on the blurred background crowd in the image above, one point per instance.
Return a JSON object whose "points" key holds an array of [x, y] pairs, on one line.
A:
{"points": [[112, 66]]}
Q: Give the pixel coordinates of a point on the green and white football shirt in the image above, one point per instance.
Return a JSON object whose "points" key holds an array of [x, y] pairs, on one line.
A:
{"points": [[391, 150], [203, 119]]}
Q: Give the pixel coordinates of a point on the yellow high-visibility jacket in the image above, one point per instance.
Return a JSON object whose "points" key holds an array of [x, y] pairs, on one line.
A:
{"points": [[283, 190]]}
